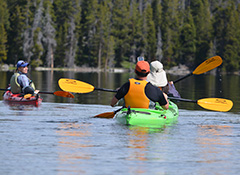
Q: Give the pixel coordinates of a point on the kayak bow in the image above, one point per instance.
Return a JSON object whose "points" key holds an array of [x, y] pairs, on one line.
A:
{"points": [[12, 99]]}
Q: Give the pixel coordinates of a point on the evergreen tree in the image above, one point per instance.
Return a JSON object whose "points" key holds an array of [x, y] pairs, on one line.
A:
{"points": [[121, 30], [103, 32], [35, 36], [85, 53], [170, 26], [218, 25], [187, 40], [4, 24], [17, 13], [157, 18], [136, 36], [67, 17], [150, 34], [49, 32], [203, 23], [232, 39]]}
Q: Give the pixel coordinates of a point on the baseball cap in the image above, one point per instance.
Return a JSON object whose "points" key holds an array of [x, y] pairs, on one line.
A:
{"points": [[142, 66], [22, 63]]}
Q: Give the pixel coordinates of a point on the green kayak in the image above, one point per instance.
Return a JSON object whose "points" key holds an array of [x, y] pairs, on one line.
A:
{"points": [[156, 118]]}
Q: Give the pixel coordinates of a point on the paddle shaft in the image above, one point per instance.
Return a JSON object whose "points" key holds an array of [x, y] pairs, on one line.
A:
{"points": [[182, 99], [41, 92], [188, 75], [107, 90], [4, 89]]}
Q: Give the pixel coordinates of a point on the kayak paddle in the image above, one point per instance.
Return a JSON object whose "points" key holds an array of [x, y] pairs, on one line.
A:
{"points": [[214, 104], [108, 114], [206, 66], [77, 86], [57, 93]]}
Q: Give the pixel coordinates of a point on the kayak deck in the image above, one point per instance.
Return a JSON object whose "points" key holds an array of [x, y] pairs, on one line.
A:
{"points": [[157, 117], [18, 99]]}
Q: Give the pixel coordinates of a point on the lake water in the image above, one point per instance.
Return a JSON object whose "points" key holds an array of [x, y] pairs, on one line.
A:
{"points": [[62, 137]]}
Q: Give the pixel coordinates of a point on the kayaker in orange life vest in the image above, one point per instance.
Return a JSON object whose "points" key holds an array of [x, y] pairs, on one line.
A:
{"points": [[19, 81], [138, 93]]}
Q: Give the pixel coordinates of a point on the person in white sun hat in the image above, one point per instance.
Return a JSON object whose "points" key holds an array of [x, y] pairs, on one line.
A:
{"points": [[158, 77]]}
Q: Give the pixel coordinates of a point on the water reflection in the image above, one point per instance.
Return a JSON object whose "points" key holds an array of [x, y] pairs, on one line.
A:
{"points": [[138, 142], [215, 143], [73, 137], [141, 139]]}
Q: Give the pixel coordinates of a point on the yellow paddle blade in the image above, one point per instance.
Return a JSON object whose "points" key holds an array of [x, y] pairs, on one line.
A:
{"points": [[208, 65], [63, 94], [27, 96], [216, 104], [105, 115], [75, 86]]}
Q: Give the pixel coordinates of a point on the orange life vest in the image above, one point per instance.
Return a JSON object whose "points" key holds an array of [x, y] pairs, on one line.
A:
{"points": [[136, 97]]}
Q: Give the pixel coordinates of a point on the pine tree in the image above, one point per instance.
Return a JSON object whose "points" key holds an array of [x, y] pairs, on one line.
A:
{"points": [[232, 39], [135, 33], [85, 52], [157, 18], [121, 30], [49, 32], [3, 28], [150, 34], [103, 34], [202, 19], [17, 13], [67, 18], [219, 25], [187, 40], [170, 26]]}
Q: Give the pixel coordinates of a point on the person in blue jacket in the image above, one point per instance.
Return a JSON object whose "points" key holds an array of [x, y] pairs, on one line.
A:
{"points": [[19, 82]]}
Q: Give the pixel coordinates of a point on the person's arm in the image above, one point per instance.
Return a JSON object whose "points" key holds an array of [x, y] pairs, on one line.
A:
{"points": [[122, 91], [114, 101], [156, 95], [172, 90], [166, 106], [24, 83]]}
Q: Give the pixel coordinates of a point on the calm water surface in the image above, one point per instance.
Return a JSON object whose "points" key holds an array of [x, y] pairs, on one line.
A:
{"points": [[61, 137]]}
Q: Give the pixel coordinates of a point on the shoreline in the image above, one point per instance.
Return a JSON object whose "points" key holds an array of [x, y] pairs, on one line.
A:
{"points": [[176, 70]]}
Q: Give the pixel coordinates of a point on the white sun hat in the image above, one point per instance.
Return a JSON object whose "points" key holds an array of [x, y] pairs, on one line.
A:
{"points": [[157, 75]]}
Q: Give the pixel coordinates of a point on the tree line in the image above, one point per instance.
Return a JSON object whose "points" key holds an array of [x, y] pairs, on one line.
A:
{"points": [[113, 33]]}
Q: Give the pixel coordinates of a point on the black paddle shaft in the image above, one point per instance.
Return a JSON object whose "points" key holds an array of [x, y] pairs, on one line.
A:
{"points": [[4, 89], [41, 92], [102, 89], [182, 99], [183, 77]]}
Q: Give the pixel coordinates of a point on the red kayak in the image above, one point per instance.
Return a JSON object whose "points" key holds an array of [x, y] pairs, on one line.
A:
{"points": [[11, 98]]}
